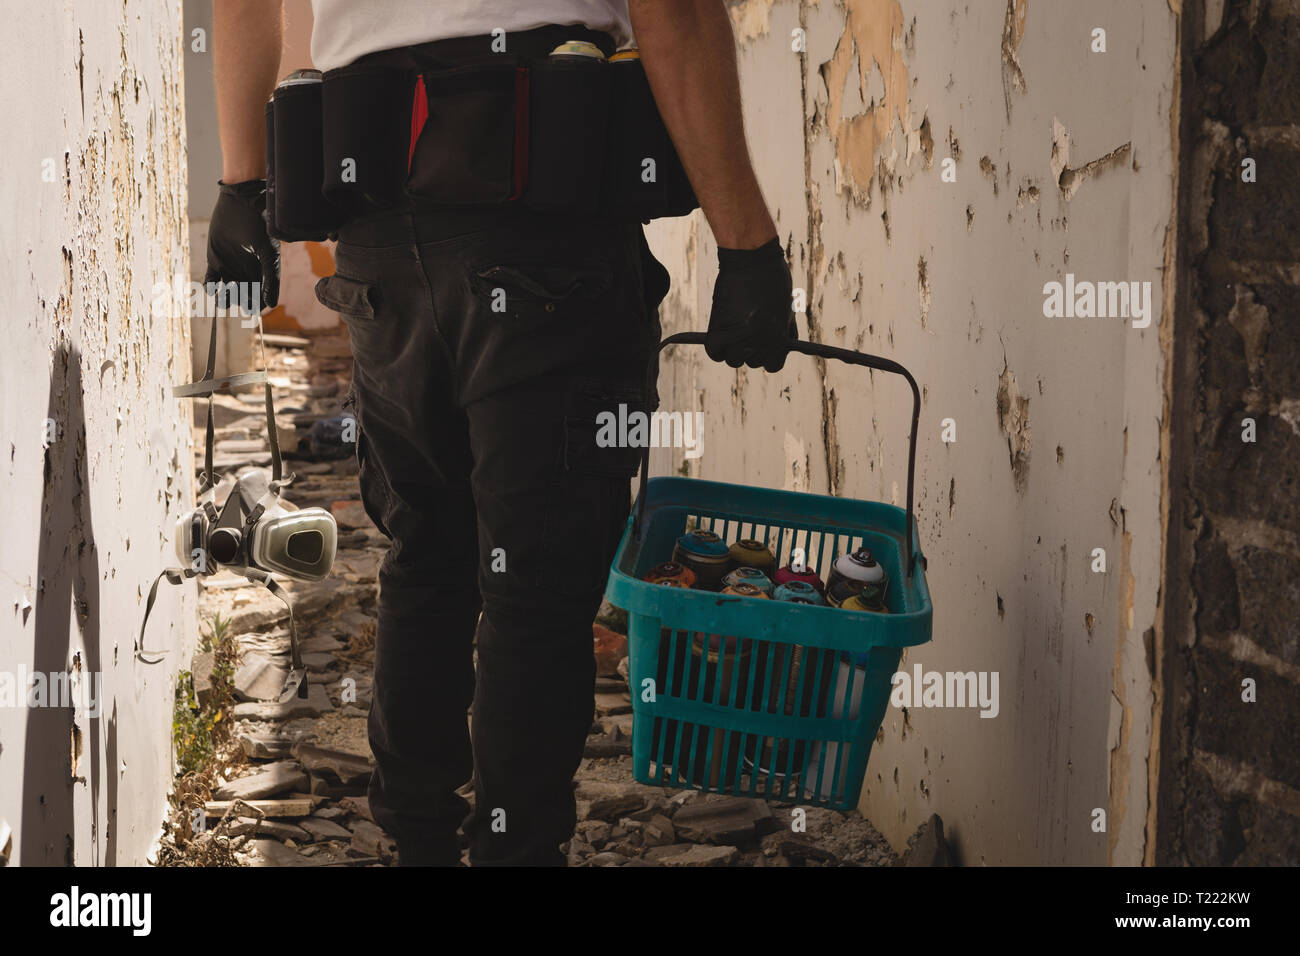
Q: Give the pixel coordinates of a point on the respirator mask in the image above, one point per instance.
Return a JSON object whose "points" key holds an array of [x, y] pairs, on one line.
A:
{"points": [[253, 529], [243, 524]]}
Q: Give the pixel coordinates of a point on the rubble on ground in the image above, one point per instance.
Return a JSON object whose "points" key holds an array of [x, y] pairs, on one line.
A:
{"points": [[927, 846]]}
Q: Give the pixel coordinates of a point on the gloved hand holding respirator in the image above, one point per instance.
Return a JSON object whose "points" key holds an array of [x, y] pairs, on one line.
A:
{"points": [[256, 530], [751, 322], [242, 523], [239, 248]]}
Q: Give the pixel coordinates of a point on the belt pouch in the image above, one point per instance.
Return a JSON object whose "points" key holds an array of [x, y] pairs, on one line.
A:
{"points": [[301, 212], [469, 127], [366, 137], [645, 178], [568, 132]]}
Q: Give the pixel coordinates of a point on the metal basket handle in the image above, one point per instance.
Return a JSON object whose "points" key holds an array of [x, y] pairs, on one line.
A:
{"points": [[849, 357]]}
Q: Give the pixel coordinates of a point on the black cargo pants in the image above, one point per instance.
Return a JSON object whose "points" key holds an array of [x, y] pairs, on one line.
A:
{"points": [[485, 346]]}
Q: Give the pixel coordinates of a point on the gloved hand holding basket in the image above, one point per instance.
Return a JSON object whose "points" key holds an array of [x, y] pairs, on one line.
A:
{"points": [[736, 692]]}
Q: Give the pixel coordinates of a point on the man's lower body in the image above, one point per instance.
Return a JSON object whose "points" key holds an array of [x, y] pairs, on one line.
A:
{"points": [[486, 344]]}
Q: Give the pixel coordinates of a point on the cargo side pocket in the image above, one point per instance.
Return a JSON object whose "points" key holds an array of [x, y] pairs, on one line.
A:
{"points": [[568, 127], [605, 426], [470, 134], [356, 302], [375, 496], [349, 297], [590, 495]]}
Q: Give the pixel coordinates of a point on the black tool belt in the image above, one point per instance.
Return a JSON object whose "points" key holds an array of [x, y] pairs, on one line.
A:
{"points": [[450, 123]]}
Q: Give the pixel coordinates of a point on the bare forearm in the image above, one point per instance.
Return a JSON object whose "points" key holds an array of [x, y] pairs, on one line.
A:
{"points": [[688, 52], [246, 40]]}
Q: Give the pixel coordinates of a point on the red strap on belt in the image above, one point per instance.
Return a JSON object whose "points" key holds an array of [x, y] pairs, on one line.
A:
{"points": [[419, 116]]}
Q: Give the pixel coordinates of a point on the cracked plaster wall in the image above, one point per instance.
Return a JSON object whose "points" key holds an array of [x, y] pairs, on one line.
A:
{"points": [[1065, 162], [92, 214]]}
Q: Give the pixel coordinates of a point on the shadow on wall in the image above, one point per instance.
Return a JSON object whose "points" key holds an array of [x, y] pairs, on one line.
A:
{"points": [[68, 581]]}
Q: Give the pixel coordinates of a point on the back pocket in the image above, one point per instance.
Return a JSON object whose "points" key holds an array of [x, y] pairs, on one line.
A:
{"points": [[541, 289], [590, 494]]}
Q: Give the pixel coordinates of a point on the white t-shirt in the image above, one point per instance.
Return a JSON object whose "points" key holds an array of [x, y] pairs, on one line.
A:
{"points": [[344, 30]]}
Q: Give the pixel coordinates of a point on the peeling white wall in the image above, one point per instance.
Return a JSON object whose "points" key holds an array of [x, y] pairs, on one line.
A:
{"points": [[1058, 420], [92, 215]]}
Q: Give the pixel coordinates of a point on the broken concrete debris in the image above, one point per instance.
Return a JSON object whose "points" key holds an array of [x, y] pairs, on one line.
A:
{"points": [[290, 807], [612, 704], [328, 438], [260, 677], [605, 745], [728, 820], [610, 648], [324, 829], [278, 830], [317, 703], [928, 846], [704, 856], [265, 746], [267, 782], [369, 840], [324, 761]]}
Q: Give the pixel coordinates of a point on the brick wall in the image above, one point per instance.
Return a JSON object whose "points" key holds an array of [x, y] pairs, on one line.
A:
{"points": [[1230, 769]]}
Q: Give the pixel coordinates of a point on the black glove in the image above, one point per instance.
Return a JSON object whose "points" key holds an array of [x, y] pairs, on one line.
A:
{"points": [[751, 323], [239, 248]]}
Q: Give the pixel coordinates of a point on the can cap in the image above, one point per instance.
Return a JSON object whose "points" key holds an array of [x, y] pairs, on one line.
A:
{"points": [[579, 48], [704, 544], [798, 592], [300, 77], [671, 573], [744, 590]]}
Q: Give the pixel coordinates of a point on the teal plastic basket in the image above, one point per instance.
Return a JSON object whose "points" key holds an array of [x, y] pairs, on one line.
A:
{"points": [[757, 697]]}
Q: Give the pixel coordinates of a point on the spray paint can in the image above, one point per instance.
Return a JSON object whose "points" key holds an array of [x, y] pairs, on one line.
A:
{"points": [[718, 673], [798, 592], [873, 596], [716, 644], [827, 764], [859, 568], [805, 575], [704, 553], [751, 577], [794, 592], [748, 553], [671, 574], [839, 592], [870, 598]]}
